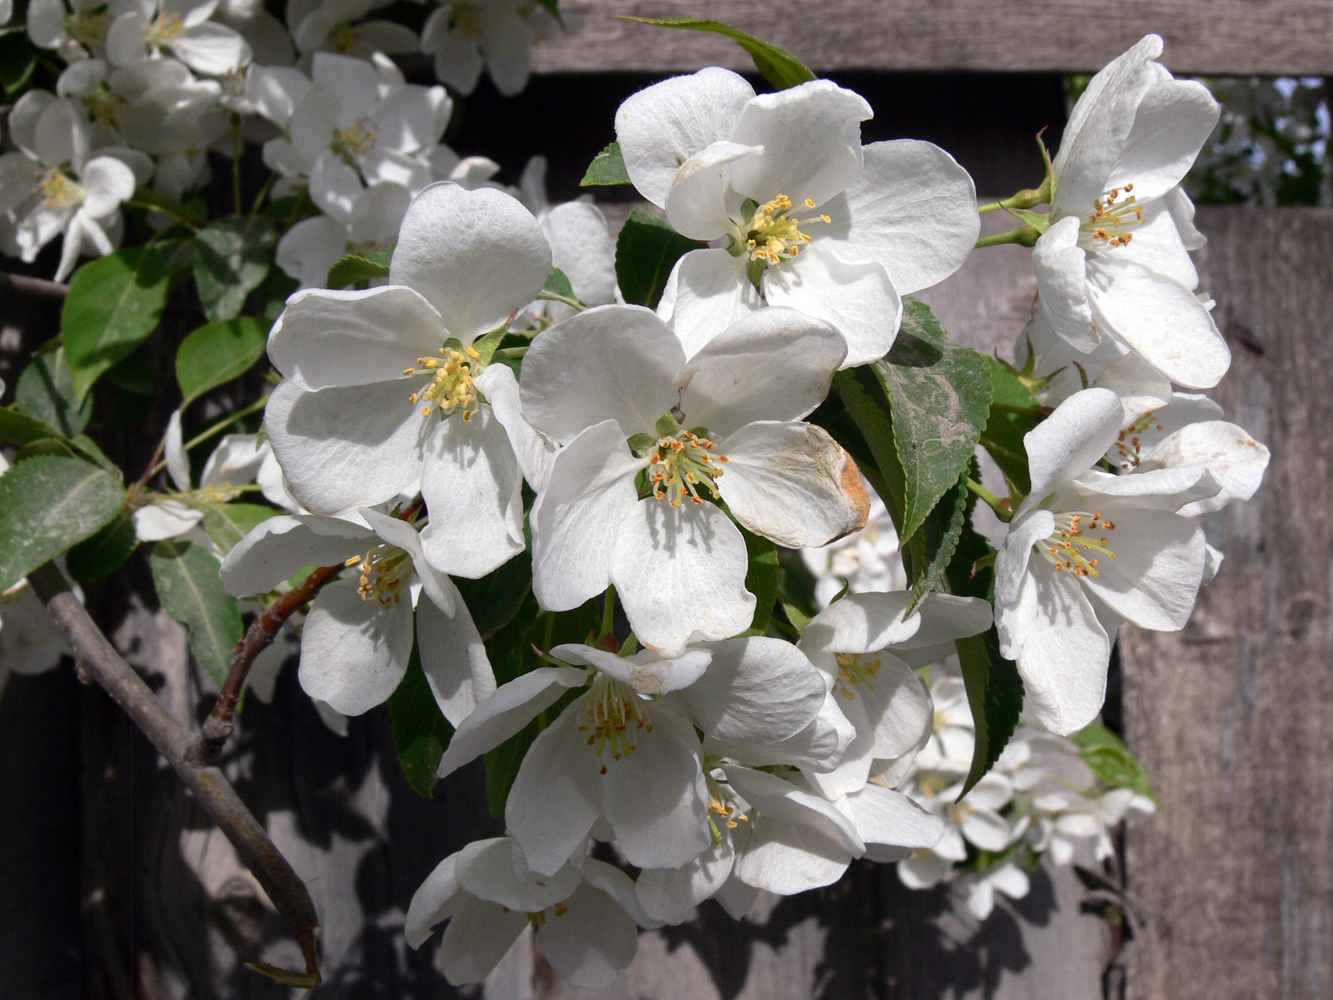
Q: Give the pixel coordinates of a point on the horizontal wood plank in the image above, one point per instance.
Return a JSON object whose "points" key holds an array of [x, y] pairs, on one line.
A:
{"points": [[1221, 37]]}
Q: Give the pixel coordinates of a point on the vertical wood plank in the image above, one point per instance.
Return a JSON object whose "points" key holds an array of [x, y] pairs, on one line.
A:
{"points": [[1233, 717]]}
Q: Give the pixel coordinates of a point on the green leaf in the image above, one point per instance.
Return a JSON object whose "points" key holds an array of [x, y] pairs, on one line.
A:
{"points": [[17, 61], [228, 525], [778, 66], [495, 599], [285, 977], [20, 429], [558, 282], [45, 390], [232, 256], [103, 553], [1110, 759], [606, 168], [188, 585], [48, 504], [646, 251], [1002, 437], [995, 695], [761, 579], [420, 730], [356, 268], [934, 545], [940, 396], [134, 374], [217, 353], [113, 305]]}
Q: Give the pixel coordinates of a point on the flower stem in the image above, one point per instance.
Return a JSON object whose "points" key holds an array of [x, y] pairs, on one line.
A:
{"points": [[608, 632], [1026, 198], [1024, 236], [160, 463], [1003, 509], [549, 296]]}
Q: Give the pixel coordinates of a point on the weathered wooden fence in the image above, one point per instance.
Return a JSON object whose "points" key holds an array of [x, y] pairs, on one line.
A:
{"points": [[116, 887]]}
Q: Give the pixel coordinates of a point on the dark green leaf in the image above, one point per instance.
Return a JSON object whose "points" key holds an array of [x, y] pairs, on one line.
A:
{"points": [[217, 353], [228, 525], [558, 282], [232, 256], [646, 251], [113, 305], [285, 977], [103, 553], [20, 429], [356, 268], [606, 168], [48, 504], [934, 545], [273, 293], [995, 695], [1110, 759], [1013, 413], [188, 585], [495, 599], [940, 395], [45, 390], [420, 730], [17, 60], [778, 66], [135, 375], [761, 579]]}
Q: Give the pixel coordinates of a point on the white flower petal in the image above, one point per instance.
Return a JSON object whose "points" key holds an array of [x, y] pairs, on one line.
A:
{"points": [[680, 572], [791, 482], [811, 134], [593, 942], [856, 297], [506, 711], [663, 126], [349, 337], [589, 490], [775, 364], [707, 292], [277, 549], [890, 823], [345, 446], [914, 209], [1072, 439], [557, 795], [476, 256], [1060, 265], [609, 363], [473, 490], [354, 651]]}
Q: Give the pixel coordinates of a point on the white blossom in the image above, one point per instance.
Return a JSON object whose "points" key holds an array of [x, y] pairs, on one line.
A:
{"points": [[801, 214]]}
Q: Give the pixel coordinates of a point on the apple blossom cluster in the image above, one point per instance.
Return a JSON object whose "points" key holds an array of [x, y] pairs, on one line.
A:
{"points": [[599, 496], [150, 87]]}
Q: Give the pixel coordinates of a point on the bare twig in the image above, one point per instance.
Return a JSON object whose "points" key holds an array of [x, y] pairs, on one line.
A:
{"points": [[262, 631], [36, 287], [100, 660]]}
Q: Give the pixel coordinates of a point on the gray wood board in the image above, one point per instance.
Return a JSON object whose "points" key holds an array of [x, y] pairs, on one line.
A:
{"points": [[1233, 717], [1222, 37]]}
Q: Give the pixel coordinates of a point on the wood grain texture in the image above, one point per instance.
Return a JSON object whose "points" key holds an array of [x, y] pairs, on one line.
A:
{"points": [[1225, 37], [1233, 717]]}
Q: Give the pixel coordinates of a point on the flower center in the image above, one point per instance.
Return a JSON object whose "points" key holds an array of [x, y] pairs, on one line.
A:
{"points": [[772, 235], [451, 385], [1127, 450], [166, 30], [539, 917], [1073, 550], [612, 717], [357, 139], [467, 21], [88, 27], [682, 463], [58, 191], [1112, 217], [386, 572], [854, 670], [343, 38], [106, 107]]}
